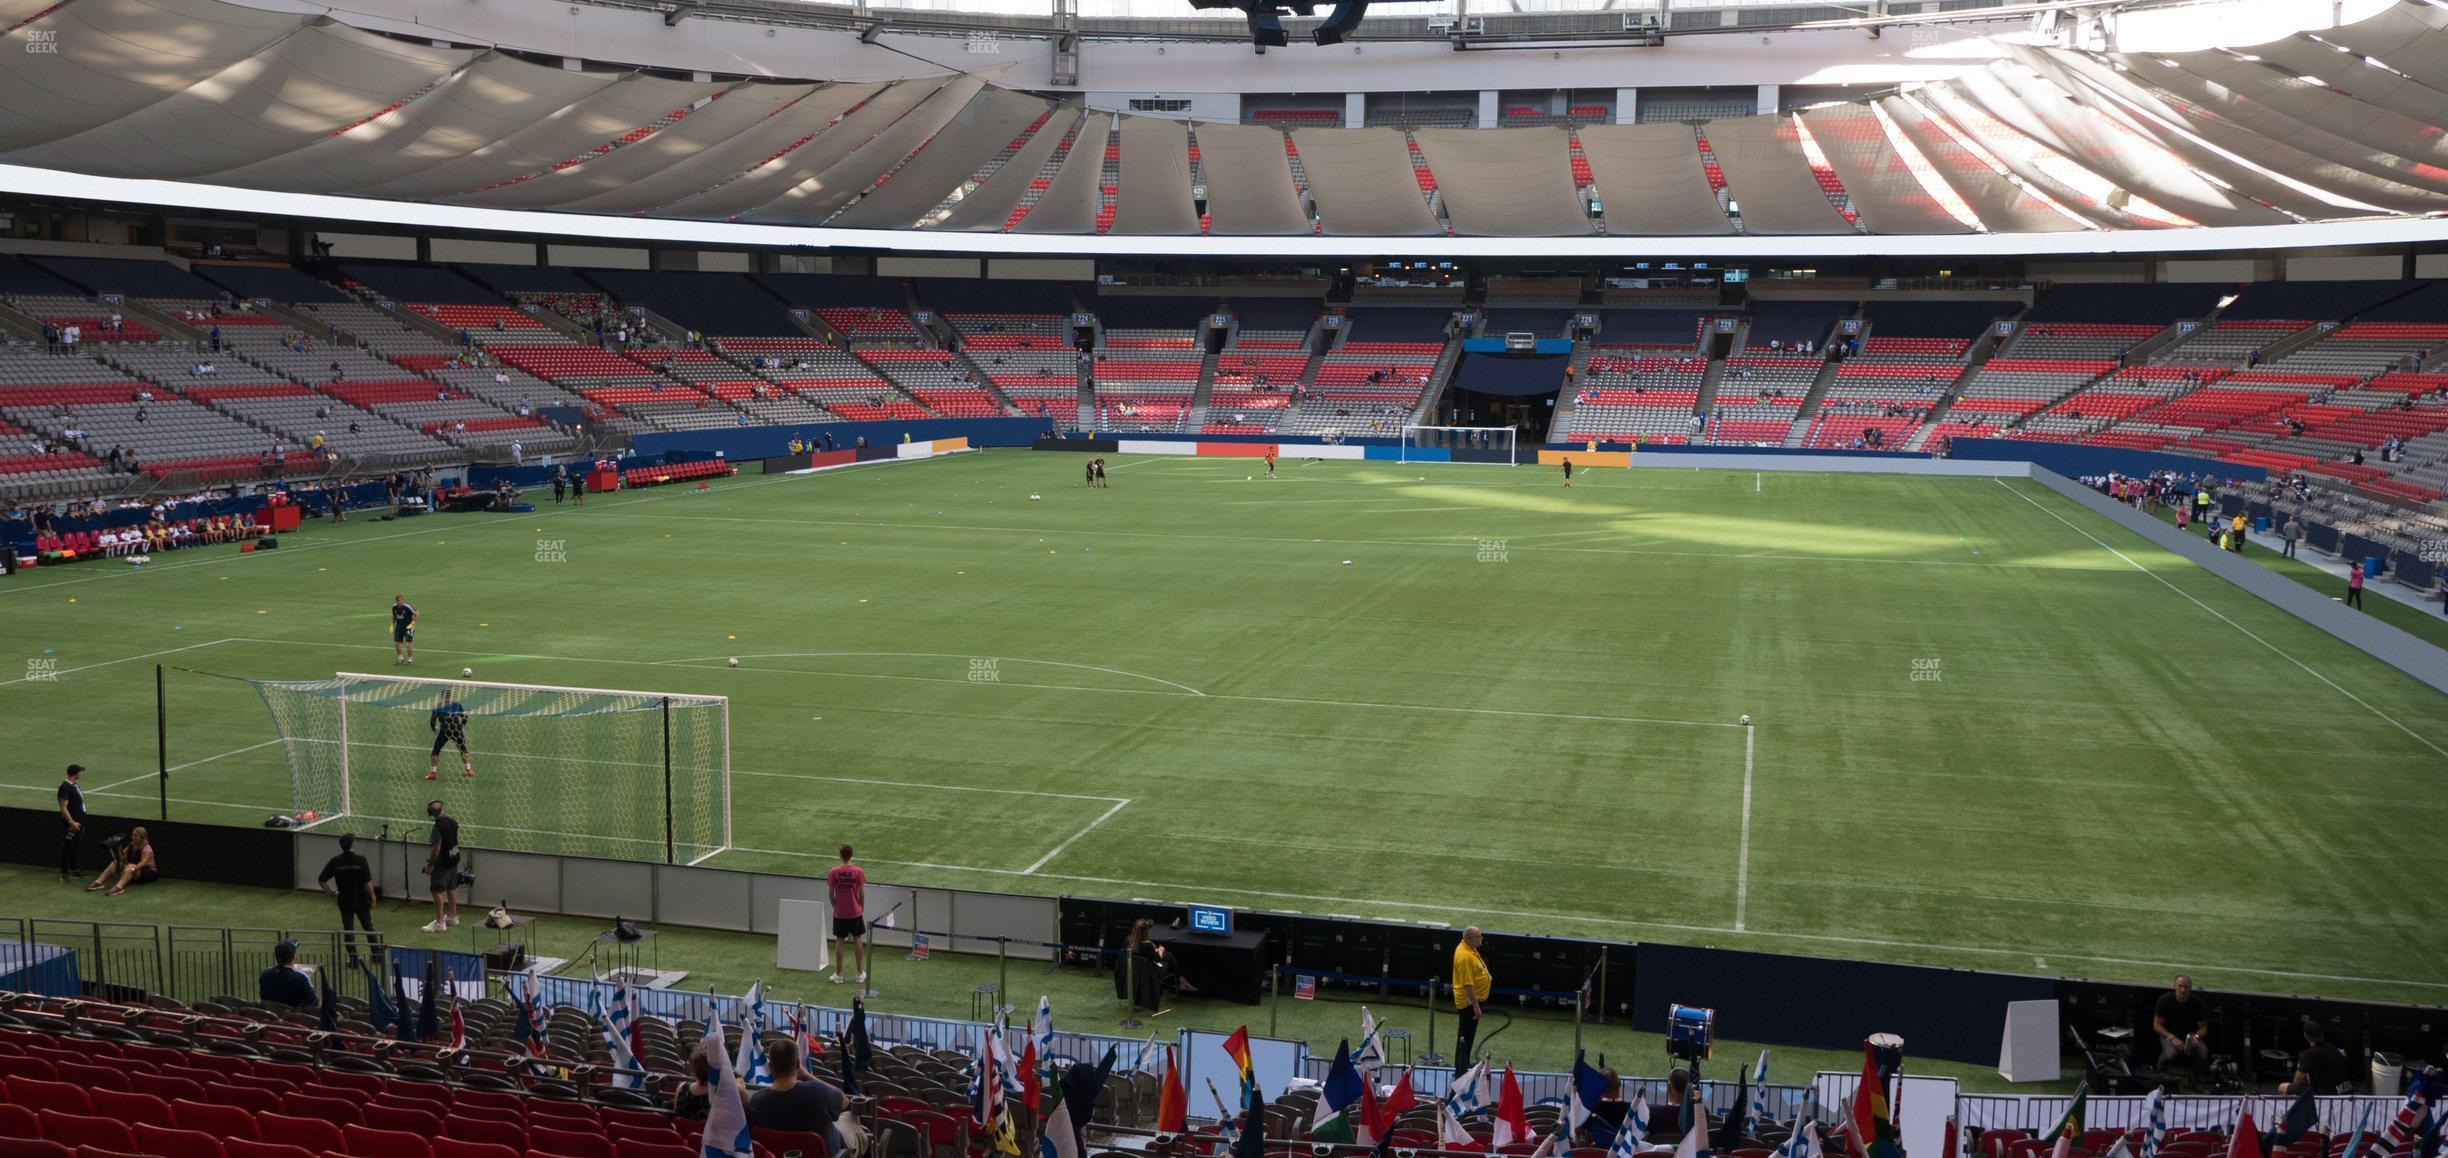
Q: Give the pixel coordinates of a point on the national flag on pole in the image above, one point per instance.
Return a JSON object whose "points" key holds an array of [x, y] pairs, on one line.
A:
{"points": [[379, 1010], [2064, 1146], [1589, 1087], [1869, 1102], [1238, 1046], [2075, 1116], [524, 1029], [1695, 1143], [994, 1078], [429, 1014], [855, 1050], [1805, 1142], [1060, 1139], [1383, 1114], [1512, 1123], [1759, 1092], [1730, 1132], [726, 1125], [620, 1038], [2245, 1144], [755, 1018], [1636, 1121], [1372, 1047], [2299, 1120], [1466, 1096], [1629, 1140], [329, 1018], [1337, 1118], [2421, 1090], [1041, 1029], [2155, 1127], [1252, 1142], [1172, 1099], [458, 1028], [407, 1011]]}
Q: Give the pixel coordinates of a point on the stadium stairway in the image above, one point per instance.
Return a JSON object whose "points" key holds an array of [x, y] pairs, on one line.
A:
{"points": [[1560, 418], [1441, 376], [1799, 432], [1710, 380], [1196, 420], [169, 325], [1974, 358]]}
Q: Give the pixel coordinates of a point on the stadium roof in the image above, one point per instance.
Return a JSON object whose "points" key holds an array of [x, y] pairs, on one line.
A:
{"points": [[2347, 124]]}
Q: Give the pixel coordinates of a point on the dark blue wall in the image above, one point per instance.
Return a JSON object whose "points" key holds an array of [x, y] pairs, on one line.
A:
{"points": [[2075, 460], [748, 443]]}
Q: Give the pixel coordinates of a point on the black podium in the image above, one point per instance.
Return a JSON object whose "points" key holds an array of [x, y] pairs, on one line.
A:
{"points": [[1227, 967]]}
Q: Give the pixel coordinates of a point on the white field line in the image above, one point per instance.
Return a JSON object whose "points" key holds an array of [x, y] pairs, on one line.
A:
{"points": [[1742, 855], [2247, 632], [47, 677], [183, 767], [1073, 839]]}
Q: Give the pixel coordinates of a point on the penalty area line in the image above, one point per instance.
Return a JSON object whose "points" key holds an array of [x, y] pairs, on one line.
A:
{"points": [[1059, 849]]}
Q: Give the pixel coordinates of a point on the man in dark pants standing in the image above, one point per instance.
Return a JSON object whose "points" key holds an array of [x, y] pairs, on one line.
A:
{"points": [[1471, 987], [72, 820], [350, 880]]}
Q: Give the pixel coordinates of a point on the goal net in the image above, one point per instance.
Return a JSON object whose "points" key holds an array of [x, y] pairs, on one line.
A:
{"points": [[1460, 444], [630, 775]]}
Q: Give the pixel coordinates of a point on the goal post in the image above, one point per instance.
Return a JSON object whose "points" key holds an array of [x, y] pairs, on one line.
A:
{"points": [[628, 775], [1461, 444]]}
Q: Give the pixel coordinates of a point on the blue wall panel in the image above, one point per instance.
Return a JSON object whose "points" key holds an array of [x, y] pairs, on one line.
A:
{"points": [[2076, 461], [746, 443]]}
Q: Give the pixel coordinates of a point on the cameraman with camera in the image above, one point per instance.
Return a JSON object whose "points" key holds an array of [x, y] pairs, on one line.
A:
{"points": [[131, 860], [442, 868]]}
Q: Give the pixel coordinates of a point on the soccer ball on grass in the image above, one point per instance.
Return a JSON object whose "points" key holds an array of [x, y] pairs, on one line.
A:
{"points": [[1746, 720], [733, 661], [465, 672]]}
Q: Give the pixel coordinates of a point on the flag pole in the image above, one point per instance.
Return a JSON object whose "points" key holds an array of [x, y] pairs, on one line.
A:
{"points": [[1432, 1057]]}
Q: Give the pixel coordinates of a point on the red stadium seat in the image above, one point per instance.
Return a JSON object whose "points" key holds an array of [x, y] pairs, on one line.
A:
{"points": [[167, 1088], [424, 1123], [243, 1148], [567, 1143], [314, 1134], [420, 1091], [86, 1130], [492, 1131], [22, 1066], [368, 1142], [33, 1148], [453, 1148], [132, 1108], [61, 1096], [633, 1148], [253, 1101], [223, 1122], [787, 1142], [337, 1111], [18, 1121], [167, 1143]]}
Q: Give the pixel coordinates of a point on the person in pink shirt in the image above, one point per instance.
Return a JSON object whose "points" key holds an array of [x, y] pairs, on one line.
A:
{"points": [[2354, 591], [846, 884]]}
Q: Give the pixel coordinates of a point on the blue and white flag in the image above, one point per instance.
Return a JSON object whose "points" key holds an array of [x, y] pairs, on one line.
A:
{"points": [[1805, 1140], [1759, 1092], [2155, 1127], [1371, 1053], [755, 1019], [619, 1030], [726, 1126], [1042, 1029], [1466, 1096], [1589, 1087], [1634, 1135]]}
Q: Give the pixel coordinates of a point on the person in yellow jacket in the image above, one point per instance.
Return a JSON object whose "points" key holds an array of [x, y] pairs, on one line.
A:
{"points": [[1471, 987]]}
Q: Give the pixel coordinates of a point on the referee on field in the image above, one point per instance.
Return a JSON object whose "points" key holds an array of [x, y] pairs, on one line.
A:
{"points": [[1471, 988]]}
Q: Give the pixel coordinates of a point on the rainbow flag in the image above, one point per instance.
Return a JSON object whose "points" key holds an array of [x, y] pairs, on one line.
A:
{"points": [[1238, 1046]]}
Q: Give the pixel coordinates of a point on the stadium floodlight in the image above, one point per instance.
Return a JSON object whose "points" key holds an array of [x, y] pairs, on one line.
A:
{"points": [[626, 775]]}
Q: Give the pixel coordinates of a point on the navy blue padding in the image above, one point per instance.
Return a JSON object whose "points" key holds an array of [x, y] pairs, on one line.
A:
{"points": [[1397, 325], [965, 295], [1791, 322], [2156, 305], [277, 283], [723, 305], [136, 279], [421, 284], [2312, 301], [1964, 320], [818, 291], [527, 279]]}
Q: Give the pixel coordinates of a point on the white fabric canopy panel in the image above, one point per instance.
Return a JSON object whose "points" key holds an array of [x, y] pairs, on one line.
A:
{"points": [[2402, 95], [824, 194], [954, 155], [2002, 205], [633, 102], [765, 179], [684, 142], [2272, 124], [114, 57], [316, 81], [1506, 182], [2107, 148], [1249, 182], [985, 208], [774, 116], [1769, 179], [1885, 192], [1152, 195], [2411, 38], [476, 107], [2262, 169], [2001, 141], [1650, 181], [1363, 183], [1069, 203], [2373, 127]]}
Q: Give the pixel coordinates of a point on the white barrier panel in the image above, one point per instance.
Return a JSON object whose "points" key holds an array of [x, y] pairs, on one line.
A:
{"points": [[804, 942], [1147, 446]]}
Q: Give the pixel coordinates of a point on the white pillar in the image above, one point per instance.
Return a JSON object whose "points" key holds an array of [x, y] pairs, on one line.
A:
{"points": [[1488, 108], [1355, 109], [1627, 106], [1767, 99], [1559, 103]]}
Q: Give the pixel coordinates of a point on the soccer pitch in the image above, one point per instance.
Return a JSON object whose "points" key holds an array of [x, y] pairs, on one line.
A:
{"points": [[1992, 729]]}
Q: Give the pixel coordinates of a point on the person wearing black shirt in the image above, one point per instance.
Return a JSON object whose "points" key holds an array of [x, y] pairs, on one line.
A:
{"points": [[350, 880], [2322, 1067], [2182, 1022], [72, 820], [442, 868], [283, 984], [796, 1101], [403, 631]]}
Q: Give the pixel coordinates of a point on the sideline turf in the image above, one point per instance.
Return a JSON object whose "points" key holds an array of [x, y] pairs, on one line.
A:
{"points": [[1982, 738]]}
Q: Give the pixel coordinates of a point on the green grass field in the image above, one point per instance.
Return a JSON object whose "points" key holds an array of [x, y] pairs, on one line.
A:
{"points": [[1992, 730]]}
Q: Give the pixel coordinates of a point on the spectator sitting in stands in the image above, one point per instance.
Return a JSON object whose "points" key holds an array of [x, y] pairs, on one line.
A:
{"points": [[795, 1101], [284, 983], [2322, 1067]]}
